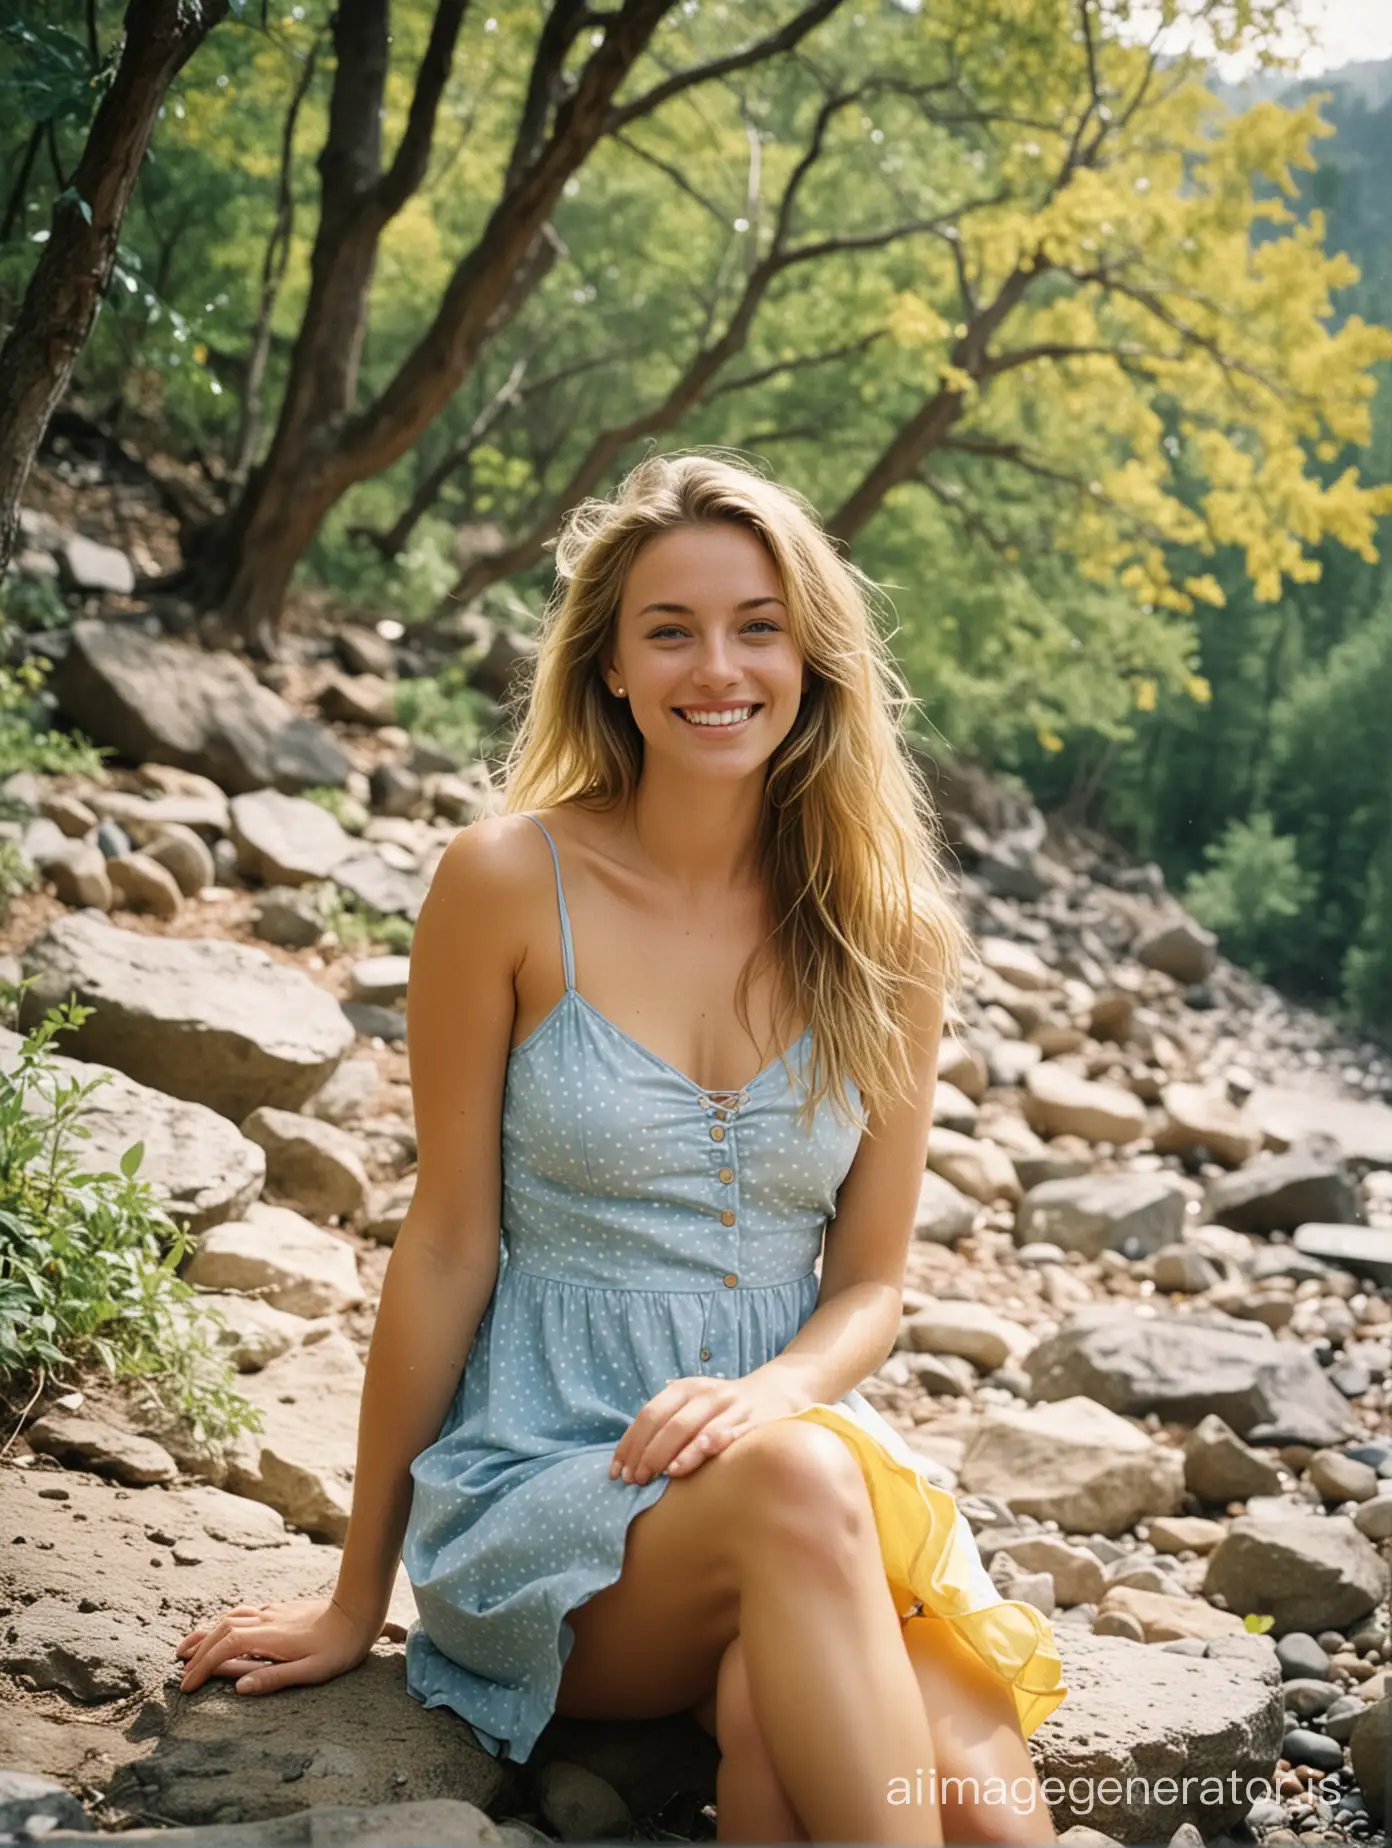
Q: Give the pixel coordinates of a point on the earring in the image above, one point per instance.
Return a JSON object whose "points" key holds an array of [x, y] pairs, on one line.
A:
{"points": [[619, 692]]}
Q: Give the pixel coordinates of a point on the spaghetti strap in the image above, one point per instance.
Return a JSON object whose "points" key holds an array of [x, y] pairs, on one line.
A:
{"points": [[567, 946]]}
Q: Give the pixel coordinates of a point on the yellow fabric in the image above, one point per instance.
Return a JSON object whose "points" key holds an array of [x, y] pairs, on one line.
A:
{"points": [[927, 1562]]}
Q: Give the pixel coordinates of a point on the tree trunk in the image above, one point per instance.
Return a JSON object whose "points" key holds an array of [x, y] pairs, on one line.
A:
{"points": [[65, 292]]}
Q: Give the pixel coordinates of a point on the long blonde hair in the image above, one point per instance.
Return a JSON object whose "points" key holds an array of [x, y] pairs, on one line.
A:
{"points": [[852, 845]]}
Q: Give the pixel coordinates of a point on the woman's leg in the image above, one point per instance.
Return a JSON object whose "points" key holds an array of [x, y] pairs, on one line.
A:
{"points": [[750, 1802], [987, 1785], [773, 1540]]}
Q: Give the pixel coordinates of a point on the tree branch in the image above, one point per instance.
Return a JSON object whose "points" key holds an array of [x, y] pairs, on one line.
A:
{"points": [[770, 46]]}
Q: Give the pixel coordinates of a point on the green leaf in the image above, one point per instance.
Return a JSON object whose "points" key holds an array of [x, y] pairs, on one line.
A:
{"points": [[132, 1159]]}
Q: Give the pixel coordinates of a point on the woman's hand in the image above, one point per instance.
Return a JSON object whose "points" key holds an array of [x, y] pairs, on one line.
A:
{"points": [[693, 1419], [302, 1640]]}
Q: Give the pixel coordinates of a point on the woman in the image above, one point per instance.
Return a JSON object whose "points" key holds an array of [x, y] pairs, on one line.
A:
{"points": [[653, 1486]]}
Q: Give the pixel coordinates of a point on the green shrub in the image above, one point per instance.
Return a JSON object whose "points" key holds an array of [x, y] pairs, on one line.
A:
{"points": [[1255, 894], [353, 923], [25, 744], [88, 1261], [338, 803], [446, 711]]}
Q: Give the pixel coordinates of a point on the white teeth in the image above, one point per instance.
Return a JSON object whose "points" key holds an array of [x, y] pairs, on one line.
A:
{"points": [[732, 716]]}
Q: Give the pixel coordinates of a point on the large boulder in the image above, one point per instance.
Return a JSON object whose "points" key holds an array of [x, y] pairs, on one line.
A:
{"points": [[1092, 1213], [168, 703], [1310, 1572], [203, 1168], [1185, 1367], [1363, 1130], [217, 1023], [286, 840], [1075, 1463], [1149, 1739], [1277, 1193], [1061, 1103]]}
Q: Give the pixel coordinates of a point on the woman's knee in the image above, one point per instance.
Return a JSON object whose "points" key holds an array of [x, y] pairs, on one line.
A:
{"points": [[800, 1485]]}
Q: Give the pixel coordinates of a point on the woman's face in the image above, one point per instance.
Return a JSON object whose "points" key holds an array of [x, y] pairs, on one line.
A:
{"points": [[704, 652]]}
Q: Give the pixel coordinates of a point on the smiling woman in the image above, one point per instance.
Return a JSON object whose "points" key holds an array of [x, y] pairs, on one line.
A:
{"points": [[673, 1024]]}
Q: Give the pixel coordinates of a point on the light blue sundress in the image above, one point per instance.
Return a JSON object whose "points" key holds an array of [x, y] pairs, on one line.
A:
{"points": [[651, 1230]]}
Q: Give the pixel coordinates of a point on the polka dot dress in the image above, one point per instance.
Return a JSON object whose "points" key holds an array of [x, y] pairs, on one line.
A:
{"points": [[650, 1230]]}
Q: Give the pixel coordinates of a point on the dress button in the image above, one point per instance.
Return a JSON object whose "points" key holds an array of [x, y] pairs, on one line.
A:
{"points": [[717, 1133], [705, 1353], [727, 1218], [730, 1280], [727, 1174]]}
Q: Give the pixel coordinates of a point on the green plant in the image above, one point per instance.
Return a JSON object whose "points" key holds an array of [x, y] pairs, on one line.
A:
{"points": [[338, 803], [24, 743], [353, 923], [1255, 894], [33, 604], [89, 1261], [16, 874], [445, 710]]}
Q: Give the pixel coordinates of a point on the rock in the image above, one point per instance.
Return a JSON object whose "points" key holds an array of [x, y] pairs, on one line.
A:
{"points": [[71, 816], [1015, 962], [1059, 1103], [310, 1164], [1119, 1623], [92, 1656], [384, 1023], [286, 840], [360, 699], [1219, 1467], [380, 979], [1365, 1250], [953, 1109], [973, 1331], [201, 1166], [1074, 1463], [1182, 949], [581, 1807], [978, 1168], [380, 887], [1369, 1749], [1280, 1192], [85, 565], [1184, 1368], [350, 1093], [943, 1214], [1309, 1572], [183, 800], [252, 1334], [1076, 1573], [1301, 1657], [1139, 1213], [301, 1463], [1148, 1740], [1362, 1130], [1302, 1747], [1181, 1533], [1200, 1118], [364, 651], [167, 703], [1374, 1519], [185, 856], [962, 1066], [1164, 1618], [140, 883], [24, 1796], [387, 1208], [79, 875], [86, 1442], [289, 1263], [214, 1022], [292, 919], [1183, 1269], [442, 1822], [1340, 1478]]}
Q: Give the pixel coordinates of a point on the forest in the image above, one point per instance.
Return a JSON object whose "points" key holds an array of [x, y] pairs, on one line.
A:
{"points": [[1081, 355]]}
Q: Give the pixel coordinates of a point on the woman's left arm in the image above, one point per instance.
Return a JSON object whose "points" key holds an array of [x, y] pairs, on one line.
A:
{"points": [[852, 1331], [859, 1305]]}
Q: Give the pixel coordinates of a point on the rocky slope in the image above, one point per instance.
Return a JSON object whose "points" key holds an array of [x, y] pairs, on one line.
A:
{"points": [[1147, 1333]]}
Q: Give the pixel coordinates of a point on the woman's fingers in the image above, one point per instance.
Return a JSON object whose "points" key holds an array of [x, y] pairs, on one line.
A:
{"points": [[195, 1637], [225, 1644], [717, 1436]]}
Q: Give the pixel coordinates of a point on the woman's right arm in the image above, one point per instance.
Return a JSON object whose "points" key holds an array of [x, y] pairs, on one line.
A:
{"points": [[440, 1276]]}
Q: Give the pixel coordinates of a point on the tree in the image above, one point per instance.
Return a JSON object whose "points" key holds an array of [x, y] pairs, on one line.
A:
{"points": [[74, 269], [324, 441]]}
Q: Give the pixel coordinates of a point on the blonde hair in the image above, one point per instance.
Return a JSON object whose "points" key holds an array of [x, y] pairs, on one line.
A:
{"points": [[851, 840]]}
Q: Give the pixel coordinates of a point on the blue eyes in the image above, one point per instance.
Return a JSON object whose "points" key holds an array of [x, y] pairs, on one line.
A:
{"points": [[669, 628]]}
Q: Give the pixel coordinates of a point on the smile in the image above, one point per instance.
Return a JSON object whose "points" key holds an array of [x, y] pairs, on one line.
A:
{"points": [[723, 718]]}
